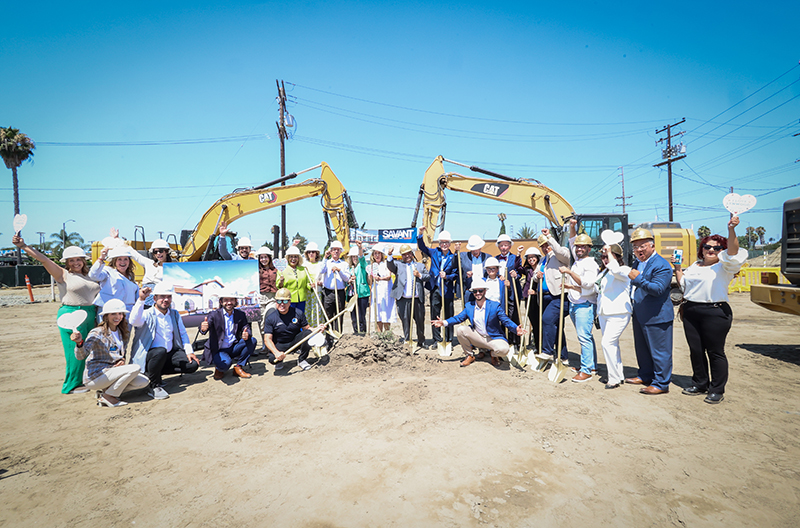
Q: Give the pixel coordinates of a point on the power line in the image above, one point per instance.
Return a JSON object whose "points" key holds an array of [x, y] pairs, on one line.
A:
{"points": [[151, 143]]}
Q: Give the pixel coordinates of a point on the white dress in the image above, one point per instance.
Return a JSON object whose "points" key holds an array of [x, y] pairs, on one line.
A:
{"points": [[383, 301]]}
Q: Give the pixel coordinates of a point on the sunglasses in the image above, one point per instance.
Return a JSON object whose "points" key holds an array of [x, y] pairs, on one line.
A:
{"points": [[712, 248], [478, 291], [282, 302], [159, 251]]}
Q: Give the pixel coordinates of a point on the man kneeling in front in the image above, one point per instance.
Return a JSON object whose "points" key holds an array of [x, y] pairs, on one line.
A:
{"points": [[485, 330], [231, 338], [284, 328]]}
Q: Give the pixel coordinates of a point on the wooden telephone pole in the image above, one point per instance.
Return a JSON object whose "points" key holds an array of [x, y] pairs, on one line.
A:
{"points": [[280, 250], [670, 154]]}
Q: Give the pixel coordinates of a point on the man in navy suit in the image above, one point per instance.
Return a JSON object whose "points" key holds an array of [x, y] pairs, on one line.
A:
{"points": [[231, 338], [652, 315], [485, 330], [444, 270]]}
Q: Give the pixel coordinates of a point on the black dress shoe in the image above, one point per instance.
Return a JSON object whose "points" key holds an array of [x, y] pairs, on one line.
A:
{"points": [[612, 386], [714, 398], [693, 391]]}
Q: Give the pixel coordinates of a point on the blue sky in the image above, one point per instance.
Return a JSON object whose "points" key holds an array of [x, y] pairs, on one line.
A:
{"points": [[565, 94]]}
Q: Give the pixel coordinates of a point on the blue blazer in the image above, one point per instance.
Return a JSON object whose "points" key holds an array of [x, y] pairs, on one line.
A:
{"points": [[651, 302], [440, 261], [496, 319]]}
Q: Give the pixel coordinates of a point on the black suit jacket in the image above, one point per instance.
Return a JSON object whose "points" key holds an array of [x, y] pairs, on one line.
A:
{"points": [[216, 329]]}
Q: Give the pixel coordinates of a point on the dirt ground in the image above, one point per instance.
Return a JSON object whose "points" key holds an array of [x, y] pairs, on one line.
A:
{"points": [[373, 436]]}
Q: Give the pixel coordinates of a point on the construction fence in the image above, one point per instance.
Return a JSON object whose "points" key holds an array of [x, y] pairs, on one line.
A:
{"points": [[753, 275]]}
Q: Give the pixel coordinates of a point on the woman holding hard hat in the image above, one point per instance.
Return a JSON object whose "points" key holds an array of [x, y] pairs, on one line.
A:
{"points": [[77, 292], [106, 367]]}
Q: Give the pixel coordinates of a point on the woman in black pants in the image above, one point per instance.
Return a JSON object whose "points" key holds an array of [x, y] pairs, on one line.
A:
{"points": [[707, 317]]}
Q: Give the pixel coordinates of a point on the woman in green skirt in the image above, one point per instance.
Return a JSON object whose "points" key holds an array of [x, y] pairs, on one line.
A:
{"points": [[77, 292]]}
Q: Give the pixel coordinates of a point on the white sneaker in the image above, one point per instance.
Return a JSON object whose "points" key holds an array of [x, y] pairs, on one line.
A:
{"points": [[158, 393], [279, 365], [304, 365]]}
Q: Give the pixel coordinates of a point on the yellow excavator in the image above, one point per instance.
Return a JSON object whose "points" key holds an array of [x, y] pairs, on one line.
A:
{"points": [[197, 244], [336, 206], [532, 194]]}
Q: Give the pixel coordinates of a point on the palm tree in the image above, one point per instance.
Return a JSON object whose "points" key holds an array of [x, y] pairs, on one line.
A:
{"points": [[703, 232], [526, 232], [502, 218], [62, 239], [15, 148], [761, 231]]}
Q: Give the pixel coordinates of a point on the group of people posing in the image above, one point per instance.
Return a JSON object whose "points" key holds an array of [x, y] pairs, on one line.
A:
{"points": [[543, 285]]}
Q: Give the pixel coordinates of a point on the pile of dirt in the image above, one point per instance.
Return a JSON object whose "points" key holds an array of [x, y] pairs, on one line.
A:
{"points": [[382, 349]]}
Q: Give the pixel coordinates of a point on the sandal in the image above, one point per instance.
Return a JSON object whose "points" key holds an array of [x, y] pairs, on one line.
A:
{"points": [[103, 402]]}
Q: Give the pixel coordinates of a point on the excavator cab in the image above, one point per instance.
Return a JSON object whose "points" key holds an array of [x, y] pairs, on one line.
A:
{"points": [[593, 225]]}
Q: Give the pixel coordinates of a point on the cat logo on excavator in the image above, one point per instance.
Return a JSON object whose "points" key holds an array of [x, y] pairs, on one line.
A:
{"points": [[268, 197]]}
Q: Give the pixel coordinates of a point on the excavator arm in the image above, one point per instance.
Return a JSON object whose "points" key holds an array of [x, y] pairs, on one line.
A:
{"points": [[524, 193], [335, 204]]}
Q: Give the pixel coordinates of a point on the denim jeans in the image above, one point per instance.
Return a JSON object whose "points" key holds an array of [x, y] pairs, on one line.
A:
{"points": [[582, 316], [241, 350]]}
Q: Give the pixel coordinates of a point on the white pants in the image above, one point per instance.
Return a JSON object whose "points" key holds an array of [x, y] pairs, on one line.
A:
{"points": [[118, 379], [469, 339], [612, 327]]}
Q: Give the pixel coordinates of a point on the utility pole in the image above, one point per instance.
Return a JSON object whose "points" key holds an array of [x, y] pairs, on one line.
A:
{"points": [[280, 250], [671, 155], [623, 197]]}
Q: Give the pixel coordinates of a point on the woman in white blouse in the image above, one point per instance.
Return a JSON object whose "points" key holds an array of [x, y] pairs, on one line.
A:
{"points": [[117, 280], [613, 309], [707, 317]]}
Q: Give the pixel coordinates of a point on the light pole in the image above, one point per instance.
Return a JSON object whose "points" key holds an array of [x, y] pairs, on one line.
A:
{"points": [[64, 235]]}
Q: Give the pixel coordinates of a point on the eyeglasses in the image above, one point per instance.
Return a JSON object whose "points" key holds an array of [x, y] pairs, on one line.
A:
{"points": [[282, 302], [712, 248], [637, 247]]}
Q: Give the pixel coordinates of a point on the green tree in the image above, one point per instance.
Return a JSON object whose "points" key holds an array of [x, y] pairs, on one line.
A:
{"points": [[15, 148], [502, 218], [703, 231], [752, 236], [761, 231], [57, 242], [526, 232]]}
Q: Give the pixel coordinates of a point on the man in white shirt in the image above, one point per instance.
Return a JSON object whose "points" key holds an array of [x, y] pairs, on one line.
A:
{"points": [[160, 342], [334, 274], [408, 288], [582, 299]]}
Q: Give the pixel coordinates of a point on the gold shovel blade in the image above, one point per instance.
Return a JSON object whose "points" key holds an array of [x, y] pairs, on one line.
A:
{"points": [[443, 349], [557, 372]]}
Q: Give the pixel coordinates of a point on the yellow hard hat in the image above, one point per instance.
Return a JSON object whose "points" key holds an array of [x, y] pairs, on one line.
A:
{"points": [[283, 295], [641, 233], [542, 240], [583, 240], [405, 248]]}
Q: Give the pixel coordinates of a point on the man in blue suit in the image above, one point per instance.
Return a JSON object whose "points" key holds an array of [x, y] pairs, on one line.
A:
{"points": [[652, 315], [485, 330], [444, 270]]}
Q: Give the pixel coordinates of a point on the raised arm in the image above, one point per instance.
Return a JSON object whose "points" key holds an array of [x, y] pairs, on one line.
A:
{"points": [[56, 271]]}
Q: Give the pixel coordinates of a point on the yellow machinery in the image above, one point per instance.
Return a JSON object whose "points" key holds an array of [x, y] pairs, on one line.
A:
{"points": [[336, 206], [525, 193], [532, 194]]}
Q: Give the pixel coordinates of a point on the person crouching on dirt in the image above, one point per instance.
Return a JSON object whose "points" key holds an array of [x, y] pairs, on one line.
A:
{"points": [[485, 330], [285, 327], [231, 337], [106, 370], [358, 283]]}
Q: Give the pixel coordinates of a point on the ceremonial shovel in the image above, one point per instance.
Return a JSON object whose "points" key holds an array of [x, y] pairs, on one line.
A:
{"points": [[348, 308], [542, 363], [444, 350], [559, 370]]}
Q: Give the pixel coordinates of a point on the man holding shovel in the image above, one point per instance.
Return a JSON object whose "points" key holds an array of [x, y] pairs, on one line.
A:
{"points": [[284, 328], [407, 291], [441, 282], [485, 330]]}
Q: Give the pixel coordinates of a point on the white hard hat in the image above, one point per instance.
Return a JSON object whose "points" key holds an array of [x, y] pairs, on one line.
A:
{"points": [[380, 248], [121, 251], [228, 293], [503, 238], [264, 250], [444, 236], [293, 251], [532, 251], [73, 252], [244, 242], [353, 252], [475, 242], [336, 245], [114, 306], [312, 246], [479, 284], [159, 243], [491, 262], [163, 288]]}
